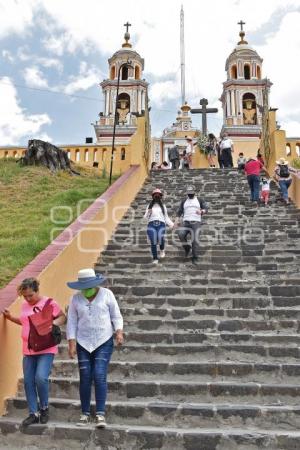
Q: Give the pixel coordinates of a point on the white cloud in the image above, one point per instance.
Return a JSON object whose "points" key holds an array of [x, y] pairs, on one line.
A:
{"points": [[16, 16], [34, 77], [6, 54], [15, 123], [86, 78]]}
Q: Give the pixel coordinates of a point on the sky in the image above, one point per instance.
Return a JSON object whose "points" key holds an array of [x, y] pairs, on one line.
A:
{"points": [[53, 55]]}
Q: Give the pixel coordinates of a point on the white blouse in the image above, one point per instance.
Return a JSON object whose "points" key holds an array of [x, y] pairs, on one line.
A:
{"points": [[92, 323], [156, 214]]}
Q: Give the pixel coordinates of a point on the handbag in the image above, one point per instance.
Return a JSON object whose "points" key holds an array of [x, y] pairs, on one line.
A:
{"points": [[42, 333]]}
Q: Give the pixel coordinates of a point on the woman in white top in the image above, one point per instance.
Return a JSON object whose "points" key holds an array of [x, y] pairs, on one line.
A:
{"points": [[158, 218], [93, 317]]}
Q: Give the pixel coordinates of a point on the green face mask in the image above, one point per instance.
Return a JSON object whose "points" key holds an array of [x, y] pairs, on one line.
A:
{"points": [[88, 293]]}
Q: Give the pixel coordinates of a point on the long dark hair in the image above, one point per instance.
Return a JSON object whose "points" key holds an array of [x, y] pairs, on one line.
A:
{"points": [[157, 199]]}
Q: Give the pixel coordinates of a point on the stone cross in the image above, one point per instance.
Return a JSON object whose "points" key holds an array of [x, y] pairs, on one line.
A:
{"points": [[204, 111], [127, 25], [241, 23]]}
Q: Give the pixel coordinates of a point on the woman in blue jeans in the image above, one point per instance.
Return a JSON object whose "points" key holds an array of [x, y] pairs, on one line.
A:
{"points": [[36, 365], [93, 317], [158, 218]]}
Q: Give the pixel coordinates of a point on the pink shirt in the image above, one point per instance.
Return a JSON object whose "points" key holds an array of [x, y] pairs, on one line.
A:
{"points": [[253, 167], [27, 310]]}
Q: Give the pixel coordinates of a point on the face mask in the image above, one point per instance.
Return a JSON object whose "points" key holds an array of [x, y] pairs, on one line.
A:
{"points": [[88, 293], [191, 195]]}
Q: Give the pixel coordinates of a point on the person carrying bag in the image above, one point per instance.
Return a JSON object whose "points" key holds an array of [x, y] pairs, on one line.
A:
{"points": [[40, 319]]}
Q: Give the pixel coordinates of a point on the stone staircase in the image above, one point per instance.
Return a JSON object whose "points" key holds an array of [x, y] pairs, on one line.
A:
{"points": [[211, 358]]}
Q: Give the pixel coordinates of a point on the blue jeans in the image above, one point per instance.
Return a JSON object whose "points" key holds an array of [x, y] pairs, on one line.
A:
{"points": [[36, 370], [284, 188], [253, 181], [156, 233], [93, 367]]}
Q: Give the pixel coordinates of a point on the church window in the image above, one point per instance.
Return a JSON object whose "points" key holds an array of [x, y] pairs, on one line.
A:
{"points": [[95, 156], [123, 154], [234, 72], [247, 72], [288, 149], [298, 149], [86, 155], [125, 73], [258, 72], [77, 155], [137, 75], [113, 72]]}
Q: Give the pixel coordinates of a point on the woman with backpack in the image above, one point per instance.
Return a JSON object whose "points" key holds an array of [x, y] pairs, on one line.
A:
{"points": [[283, 176], [158, 218], [37, 365]]}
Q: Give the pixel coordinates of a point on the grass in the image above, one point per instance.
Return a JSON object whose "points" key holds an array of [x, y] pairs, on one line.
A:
{"points": [[27, 195]]}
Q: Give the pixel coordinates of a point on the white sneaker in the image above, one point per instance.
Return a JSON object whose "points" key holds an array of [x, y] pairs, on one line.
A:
{"points": [[83, 421], [155, 261], [100, 421], [162, 254]]}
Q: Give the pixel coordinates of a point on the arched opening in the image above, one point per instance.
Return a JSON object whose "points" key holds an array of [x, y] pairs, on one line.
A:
{"points": [[288, 149], [77, 155], [137, 74], [234, 72], [258, 72], [103, 154], [113, 72], [298, 149], [123, 154], [123, 108], [23, 152], [86, 155], [69, 154], [15, 154], [95, 154], [124, 73], [5, 154], [247, 72], [249, 109]]}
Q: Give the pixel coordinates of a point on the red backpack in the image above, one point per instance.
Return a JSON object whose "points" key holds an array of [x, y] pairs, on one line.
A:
{"points": [[43, 334]]}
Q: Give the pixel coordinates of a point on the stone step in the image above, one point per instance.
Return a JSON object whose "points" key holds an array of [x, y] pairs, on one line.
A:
{"points": [[190, 391], [202, 301], [175, 414], [190, 371], [62, 435], [207, 352], [209, 313]]}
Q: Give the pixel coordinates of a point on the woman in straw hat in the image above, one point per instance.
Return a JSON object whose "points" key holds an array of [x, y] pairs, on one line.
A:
{"points": [[93, 317], [283, 176]]}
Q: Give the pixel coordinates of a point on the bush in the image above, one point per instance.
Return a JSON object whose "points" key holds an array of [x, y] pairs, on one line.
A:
{"points": [[296, 163]]}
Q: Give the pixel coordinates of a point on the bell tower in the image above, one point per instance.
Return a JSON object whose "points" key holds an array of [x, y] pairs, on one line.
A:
{"points": [[124, 89], [242, 96]]}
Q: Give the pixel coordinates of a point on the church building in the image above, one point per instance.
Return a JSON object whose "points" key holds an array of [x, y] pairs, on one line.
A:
{"points": [[242, 97]]}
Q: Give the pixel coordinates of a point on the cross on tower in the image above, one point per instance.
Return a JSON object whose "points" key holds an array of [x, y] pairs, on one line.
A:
{"points": [[204, 111], [241, 23], [127, 25]]}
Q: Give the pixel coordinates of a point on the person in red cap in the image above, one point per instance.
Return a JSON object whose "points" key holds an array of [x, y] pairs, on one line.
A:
{"points": [[158, 218]]}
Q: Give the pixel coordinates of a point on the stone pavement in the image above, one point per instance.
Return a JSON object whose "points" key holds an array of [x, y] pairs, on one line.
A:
{"points": [[211, 358]]}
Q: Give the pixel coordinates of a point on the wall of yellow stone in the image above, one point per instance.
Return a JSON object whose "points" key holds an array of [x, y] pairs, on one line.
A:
{"points": [[87, 154]]}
